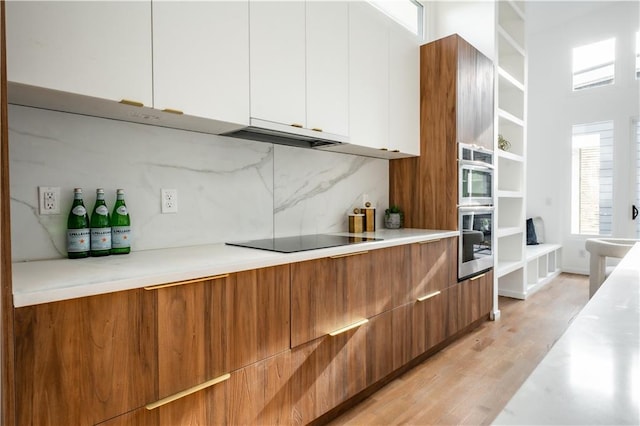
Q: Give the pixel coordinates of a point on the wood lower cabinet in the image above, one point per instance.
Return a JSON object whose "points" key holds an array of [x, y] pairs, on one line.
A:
{"points": [[330, 293], [434, 266], [257, 394], [82, 361], [469, 301], [210, 328], [326, 372]]}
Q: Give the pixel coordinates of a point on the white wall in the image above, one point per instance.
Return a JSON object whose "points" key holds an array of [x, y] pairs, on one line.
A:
{"points": [[228, 189], [553, 108], [474, 21]]}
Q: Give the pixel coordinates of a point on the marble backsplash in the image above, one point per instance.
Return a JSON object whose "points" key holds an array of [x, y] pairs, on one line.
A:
{"points": [[228, 189]]}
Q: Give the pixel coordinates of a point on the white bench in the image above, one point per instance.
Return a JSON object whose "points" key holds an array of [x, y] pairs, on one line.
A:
{"points": [[543, 260]]}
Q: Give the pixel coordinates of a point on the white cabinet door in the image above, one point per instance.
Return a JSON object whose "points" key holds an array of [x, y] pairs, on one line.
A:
{"points": [[94, 48], [327, 71], [368, 76], [404, 91], [277, 61], [201, 58]]}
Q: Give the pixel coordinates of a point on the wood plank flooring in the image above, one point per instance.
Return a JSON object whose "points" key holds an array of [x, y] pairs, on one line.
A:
{"points": [[470, 381]]}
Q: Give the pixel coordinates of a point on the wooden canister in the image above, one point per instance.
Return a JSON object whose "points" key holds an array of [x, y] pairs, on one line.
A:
{"points": [[369, 219], [356, 223]]}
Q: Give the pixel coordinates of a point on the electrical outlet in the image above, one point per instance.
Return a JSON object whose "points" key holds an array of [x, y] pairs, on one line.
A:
{"points": [[49, 200], [169, 199]]}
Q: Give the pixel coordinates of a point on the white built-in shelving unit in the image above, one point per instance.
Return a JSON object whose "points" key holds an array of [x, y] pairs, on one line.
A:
{"points": [[521, 269]]}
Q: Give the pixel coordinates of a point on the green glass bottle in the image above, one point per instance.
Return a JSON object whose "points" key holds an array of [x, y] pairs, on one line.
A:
{"points": [[78, 234], [100, 227], [120, 226]]}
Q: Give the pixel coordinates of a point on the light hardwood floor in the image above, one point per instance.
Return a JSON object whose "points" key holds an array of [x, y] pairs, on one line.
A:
{"points": [[470, 381]]}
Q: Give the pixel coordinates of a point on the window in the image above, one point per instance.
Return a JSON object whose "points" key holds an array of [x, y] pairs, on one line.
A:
{"points": [[593, 64], [407, 12], [592, 179]]}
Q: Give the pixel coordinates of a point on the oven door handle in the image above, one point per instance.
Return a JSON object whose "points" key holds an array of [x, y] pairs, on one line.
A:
{"points": [[475, 165]]}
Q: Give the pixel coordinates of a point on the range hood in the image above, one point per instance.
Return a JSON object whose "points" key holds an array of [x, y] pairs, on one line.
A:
{"points": [[267, 131]]}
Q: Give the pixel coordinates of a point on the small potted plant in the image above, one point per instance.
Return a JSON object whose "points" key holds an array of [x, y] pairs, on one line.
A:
{"points": [[393, 217]]}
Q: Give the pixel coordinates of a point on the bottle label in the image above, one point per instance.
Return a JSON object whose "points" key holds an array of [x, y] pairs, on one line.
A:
{"points": [[102, 210], [122, 210], [100, 238], [120, 236], [78, 240], [79, 211]]}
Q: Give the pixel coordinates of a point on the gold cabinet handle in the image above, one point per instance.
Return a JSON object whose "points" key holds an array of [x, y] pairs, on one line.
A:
{"points": [[174, 284], [132, 103], [477, 277], [349, 327], [428, 296], [338, 256], [429, 241], [396, 150], [297, 125], [316, 129], [383, 149], [186, 392], [173, 111]]}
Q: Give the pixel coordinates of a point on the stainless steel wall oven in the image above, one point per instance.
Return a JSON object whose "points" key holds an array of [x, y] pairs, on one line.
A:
{"points": [[475, 210]]}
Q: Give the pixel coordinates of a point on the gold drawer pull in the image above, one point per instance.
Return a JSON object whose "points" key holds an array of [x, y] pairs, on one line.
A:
{"points": [[186, 392], [173, 111], [132, 103], [429, 241], [338, 256], [383, 149], [174, 284], [428, 296], [349, 327], [297, 125], [477, 277], [316, 129], [396, 150]]}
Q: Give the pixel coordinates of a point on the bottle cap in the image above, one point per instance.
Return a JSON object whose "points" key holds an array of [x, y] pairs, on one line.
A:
{"points": [[100, 191], [77, 190], [120, 191]]}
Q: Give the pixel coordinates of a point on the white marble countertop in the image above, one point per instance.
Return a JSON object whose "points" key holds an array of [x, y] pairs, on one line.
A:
{"points": [[592, 373], [52, 280]]}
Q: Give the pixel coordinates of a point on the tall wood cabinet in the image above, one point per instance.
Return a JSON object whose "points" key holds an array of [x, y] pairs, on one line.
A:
{"points": [[456, 105]]}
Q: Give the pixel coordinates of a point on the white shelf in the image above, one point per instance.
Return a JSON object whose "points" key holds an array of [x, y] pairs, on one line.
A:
{"points": [[510, 194], [510, 156], [512, 42], [506, 267], [511, 79], [510, 117], [533, 252], [506, 232]]}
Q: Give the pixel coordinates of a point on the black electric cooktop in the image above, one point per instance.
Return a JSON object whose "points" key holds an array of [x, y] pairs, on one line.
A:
{"points": [[302, 242]]}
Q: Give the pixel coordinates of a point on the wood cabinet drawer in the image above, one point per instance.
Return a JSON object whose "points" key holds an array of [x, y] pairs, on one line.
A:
{"points": [[333, 292], [84, 360], [471, 300], [419, 326], [434, 266], [326, 372], [212, 327], [256, 394]]}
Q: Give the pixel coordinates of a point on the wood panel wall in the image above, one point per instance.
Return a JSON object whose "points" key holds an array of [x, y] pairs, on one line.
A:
{"points": [[7, 393]]}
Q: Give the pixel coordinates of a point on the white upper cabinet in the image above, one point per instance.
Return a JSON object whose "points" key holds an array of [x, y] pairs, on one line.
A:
{"points": [[404, 91], [384, 86], [299, 65], [327, 70], [369, 76], [277, 62], [93, 48], [201, 58]]}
